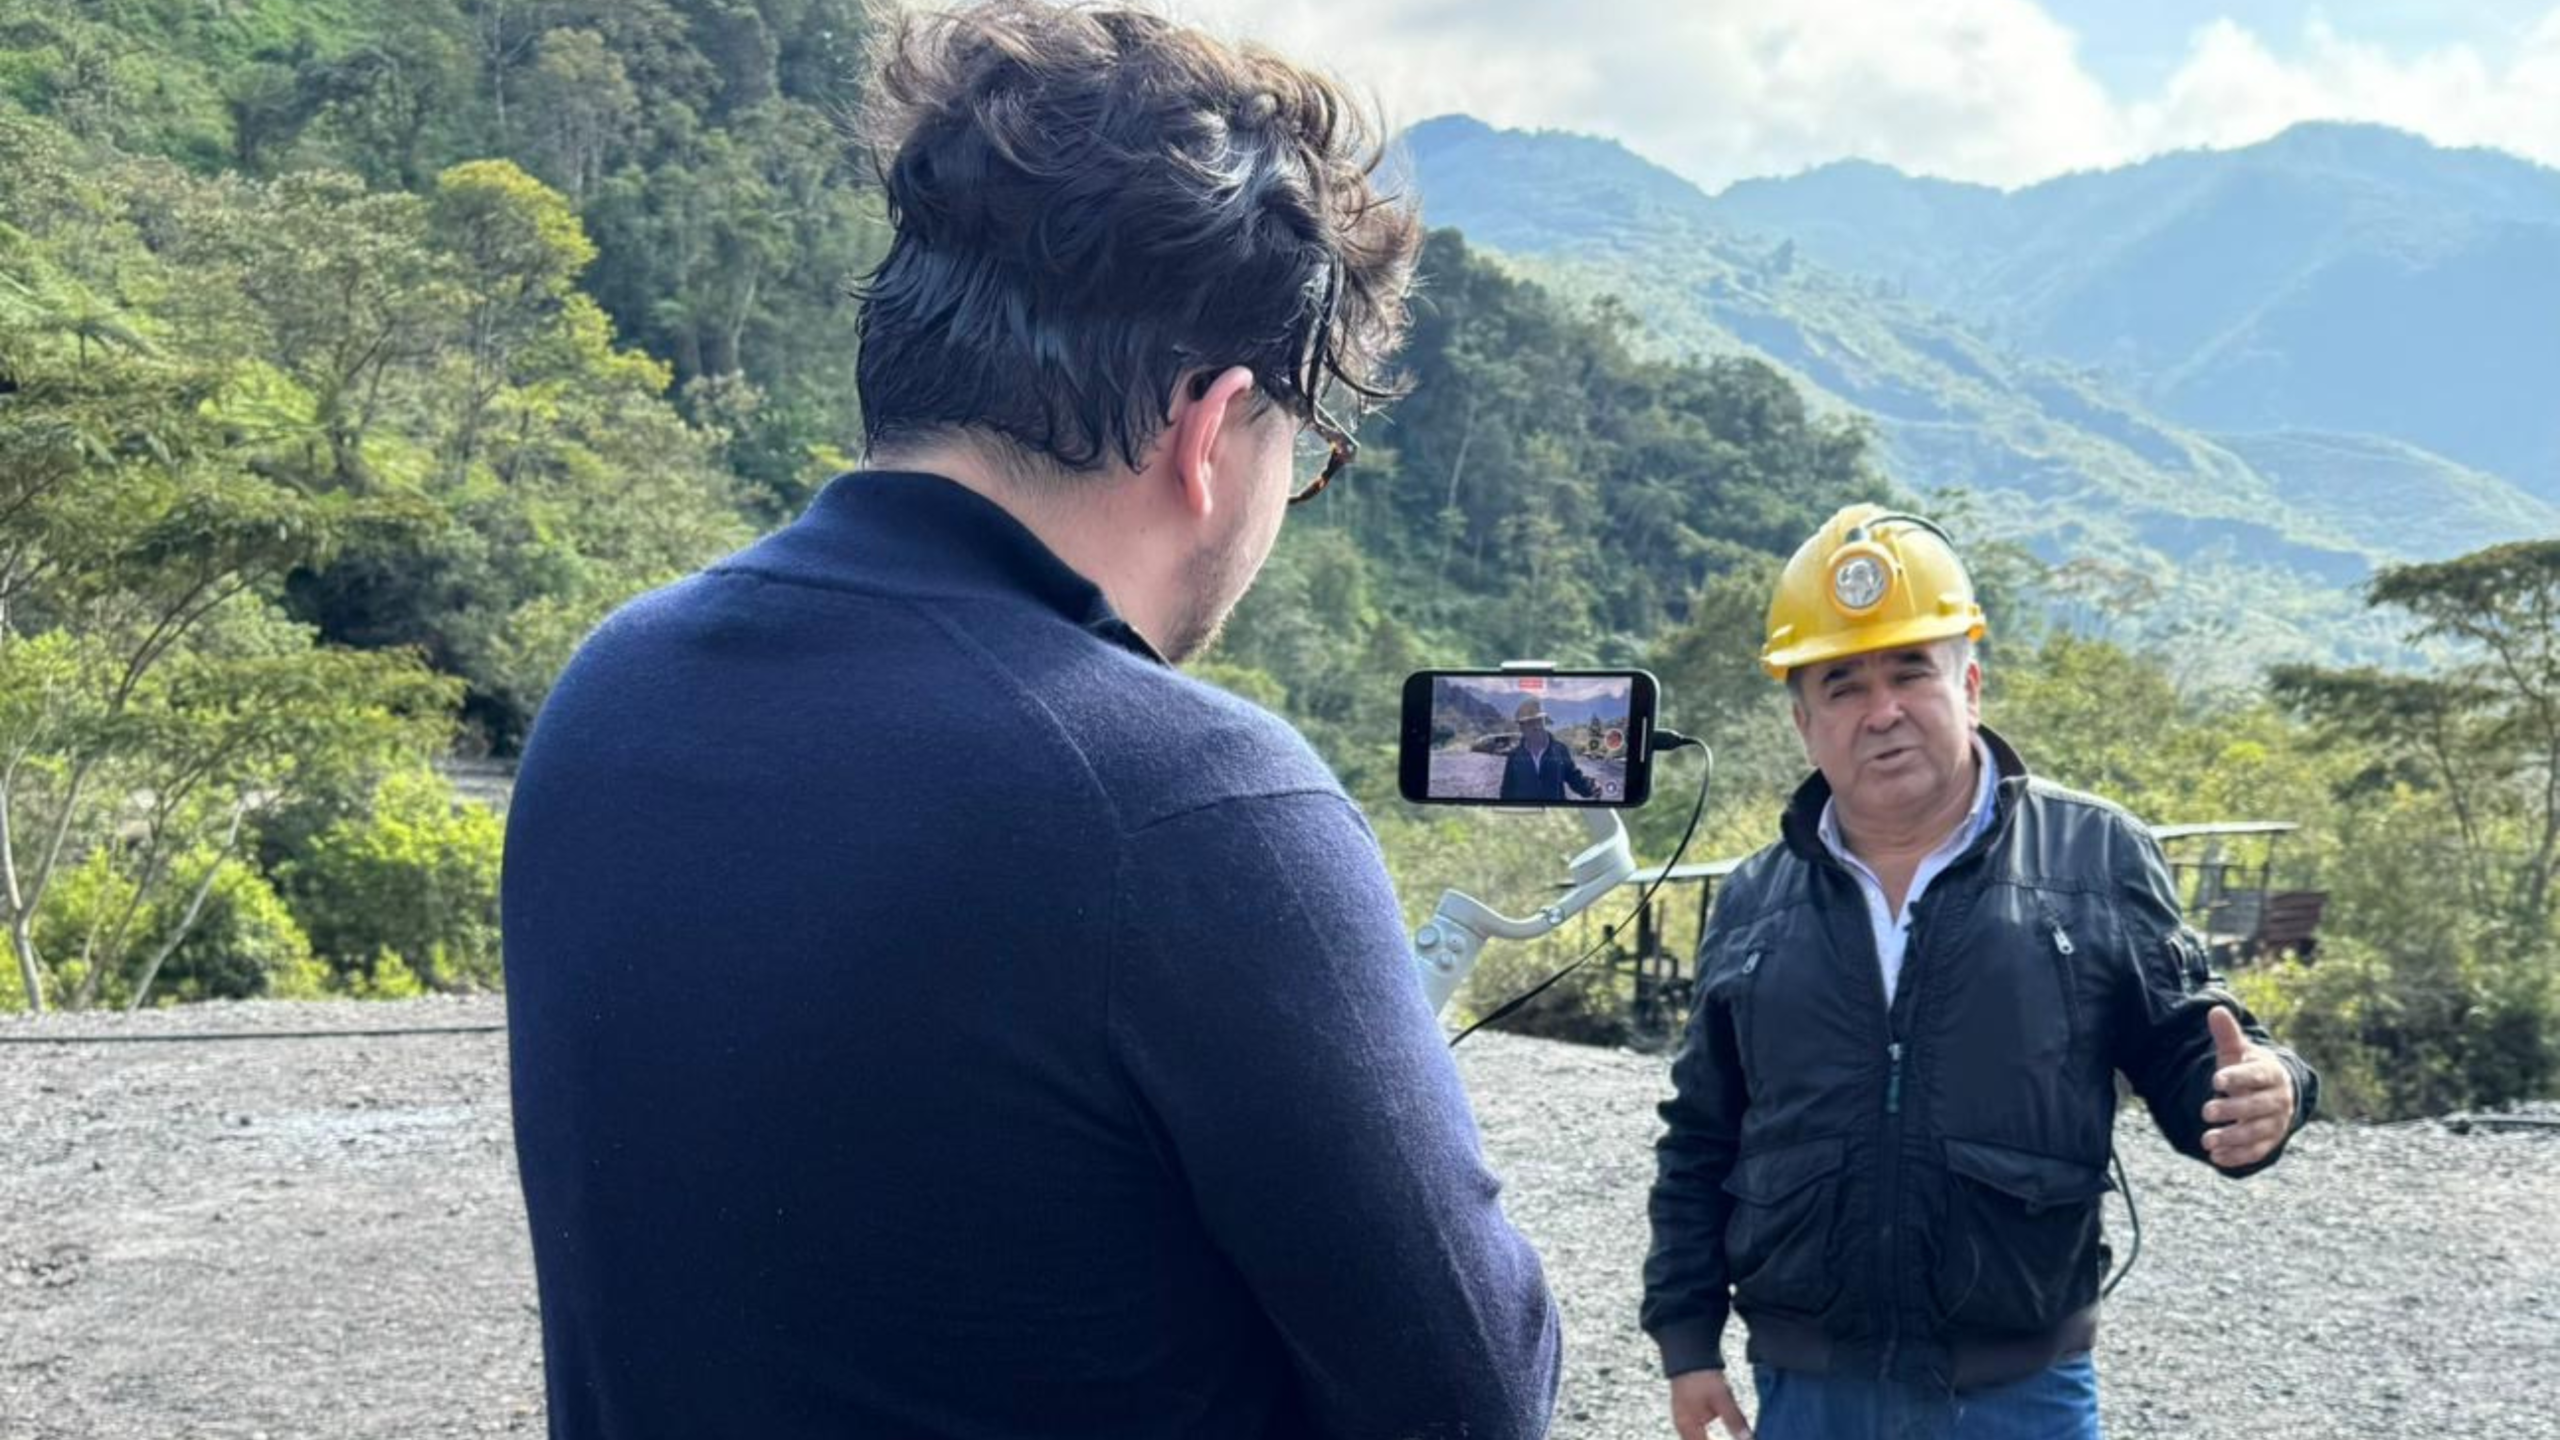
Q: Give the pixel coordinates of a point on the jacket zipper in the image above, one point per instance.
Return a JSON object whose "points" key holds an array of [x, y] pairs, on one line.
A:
{"points": [[1890, 1184], [2063, 950], [1744, 1021], [1891, 1121]]}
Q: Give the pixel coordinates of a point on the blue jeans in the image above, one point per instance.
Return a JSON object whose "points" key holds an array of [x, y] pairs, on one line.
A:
{"points": [[2056, 1404]]}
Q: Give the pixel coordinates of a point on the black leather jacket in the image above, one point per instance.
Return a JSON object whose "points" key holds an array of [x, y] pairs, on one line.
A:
{"points": [[1915, 1193], [1544, 777]]}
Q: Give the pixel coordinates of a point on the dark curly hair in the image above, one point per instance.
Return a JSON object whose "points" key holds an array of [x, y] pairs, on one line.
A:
{"points": [[1090, 201]]}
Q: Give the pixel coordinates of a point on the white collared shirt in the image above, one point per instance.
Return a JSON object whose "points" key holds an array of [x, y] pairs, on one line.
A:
{"points": [[1893, 931]]}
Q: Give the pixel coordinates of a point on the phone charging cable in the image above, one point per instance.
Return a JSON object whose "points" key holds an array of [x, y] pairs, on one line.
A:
{"points": [[1662, 740]]}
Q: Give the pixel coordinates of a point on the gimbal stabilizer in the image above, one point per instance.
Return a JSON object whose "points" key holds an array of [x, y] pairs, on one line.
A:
{"points": [[1447, 945]]}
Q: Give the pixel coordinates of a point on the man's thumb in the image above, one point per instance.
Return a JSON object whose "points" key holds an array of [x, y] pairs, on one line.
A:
{"points": [[2230, 1047]]}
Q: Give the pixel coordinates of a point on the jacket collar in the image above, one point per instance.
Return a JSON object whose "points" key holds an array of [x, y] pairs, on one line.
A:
{"points": [[1802, 825], [920, 535]]}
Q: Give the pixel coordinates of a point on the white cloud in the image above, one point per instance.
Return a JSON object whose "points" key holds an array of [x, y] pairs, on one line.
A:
{"points": [[1989, 90], [2233, 89]]}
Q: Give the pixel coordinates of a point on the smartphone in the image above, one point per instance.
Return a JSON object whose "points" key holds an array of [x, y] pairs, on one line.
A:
{"points": [[1528, 738]]}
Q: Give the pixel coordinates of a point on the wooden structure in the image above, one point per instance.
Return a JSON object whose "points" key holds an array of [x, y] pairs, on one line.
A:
{"points": [[2241, 921], [1660, 983]]}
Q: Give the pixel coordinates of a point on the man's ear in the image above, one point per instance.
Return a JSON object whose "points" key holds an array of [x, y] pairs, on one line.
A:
{"points": [[1196, 423], [1973, 690], [1804, 725]]}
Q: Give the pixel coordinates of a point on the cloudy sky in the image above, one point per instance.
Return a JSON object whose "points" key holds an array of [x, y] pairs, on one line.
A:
{"points": [[2005, 92]]}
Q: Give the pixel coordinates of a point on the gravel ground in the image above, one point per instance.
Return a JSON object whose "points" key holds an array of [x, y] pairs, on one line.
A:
{"points": [[323, 1238]]}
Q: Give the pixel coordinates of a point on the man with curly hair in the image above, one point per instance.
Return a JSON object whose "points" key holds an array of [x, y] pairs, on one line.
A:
{"points": [[932, 1013]]}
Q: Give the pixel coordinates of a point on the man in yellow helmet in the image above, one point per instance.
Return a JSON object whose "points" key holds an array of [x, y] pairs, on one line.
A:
{"points": [[1540, 768], [1892, 1114]]}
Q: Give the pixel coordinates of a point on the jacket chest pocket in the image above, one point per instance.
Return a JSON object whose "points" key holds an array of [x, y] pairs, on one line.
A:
{"points": [[2060, 939], [2019, 1250], [1780, 1241], [1745, 1012], [1798, 1016], [2007, 994]]}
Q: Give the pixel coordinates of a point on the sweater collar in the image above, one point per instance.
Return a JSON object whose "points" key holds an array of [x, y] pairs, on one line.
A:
{"points": [[922, 535]]}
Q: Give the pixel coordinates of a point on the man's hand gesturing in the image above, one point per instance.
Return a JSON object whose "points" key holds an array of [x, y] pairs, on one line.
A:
{"points": [[2252, 1109]]}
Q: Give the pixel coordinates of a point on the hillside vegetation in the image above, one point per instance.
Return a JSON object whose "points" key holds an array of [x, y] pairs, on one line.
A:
{"points": [[355, 360]]}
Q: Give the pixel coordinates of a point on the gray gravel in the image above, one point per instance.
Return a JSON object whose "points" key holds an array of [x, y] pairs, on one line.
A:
{"points": [[323, 1238]]}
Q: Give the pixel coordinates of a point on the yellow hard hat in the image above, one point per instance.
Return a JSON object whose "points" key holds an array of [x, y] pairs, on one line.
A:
{"points": [[1869, 579]]}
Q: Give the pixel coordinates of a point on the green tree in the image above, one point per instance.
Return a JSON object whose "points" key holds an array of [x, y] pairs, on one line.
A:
{"points": [[155, 705], [244, 945], [518, 248], [503, 33], [385, 108], [2483, 730], [586, 108], [733, 37], [339, 285]]}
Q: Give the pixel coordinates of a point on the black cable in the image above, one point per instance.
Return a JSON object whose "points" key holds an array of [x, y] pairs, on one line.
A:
{"points": [[2133, 1213], [1662, 740], [183, 1037], [1898, 517], [2124, 1186]]}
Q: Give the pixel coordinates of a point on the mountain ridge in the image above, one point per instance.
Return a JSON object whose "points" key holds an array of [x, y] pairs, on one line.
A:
{"points": [[2335, 277], [2069, 453]]}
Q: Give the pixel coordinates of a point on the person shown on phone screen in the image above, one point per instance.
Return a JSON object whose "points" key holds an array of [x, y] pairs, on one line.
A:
{"points": [[1539, 767], [1080, 1082]]}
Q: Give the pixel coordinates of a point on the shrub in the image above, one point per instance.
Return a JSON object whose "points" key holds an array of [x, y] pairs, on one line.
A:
{"points": [[245, 945], [2451, 1026], [388, 977], [1588, 1007], [76, 921], [412, 883]]}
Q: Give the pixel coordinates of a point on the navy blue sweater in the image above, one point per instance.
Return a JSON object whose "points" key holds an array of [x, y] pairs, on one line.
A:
{"points": [[933, 1015]]}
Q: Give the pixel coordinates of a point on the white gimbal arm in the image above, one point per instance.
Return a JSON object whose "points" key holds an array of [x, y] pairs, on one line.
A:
{"points": [[1447, 945]]}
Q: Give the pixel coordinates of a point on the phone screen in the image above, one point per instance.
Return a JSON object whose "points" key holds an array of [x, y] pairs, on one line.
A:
{"points": [[1476, 737]]}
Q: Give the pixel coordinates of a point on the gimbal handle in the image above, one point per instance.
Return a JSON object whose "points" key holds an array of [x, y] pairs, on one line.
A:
{"points": [[1446, 947]]}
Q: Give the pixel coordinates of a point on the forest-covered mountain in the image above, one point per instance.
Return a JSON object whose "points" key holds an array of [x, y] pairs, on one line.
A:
{"points": [[355, 359], [1881, 293], [354, 363], [2344, 278], [2337, 277], [699, 142]]}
